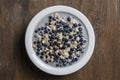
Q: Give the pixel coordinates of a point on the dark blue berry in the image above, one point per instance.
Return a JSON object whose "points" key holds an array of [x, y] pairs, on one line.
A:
{"points": [[42, 28], [57, 65], [60, 65], [84, 41], [34, 42], [70, 53], [41, 57], [36, 31], [42, 53], [64, 64], [46, 61], [59, 53], [70, 57], [82, 51], [72, 49], [79, 24], [81, 44], [38, 49], [45, 45], [70, 29], [68, 45], [66, 25], [68, 18], [46, 24], [80, 29], [75, 24], [38, 45], [78, 55], [78, 46], [51, 44], [46, 31], [76, 59], [58, 25], [37, 53], [50, 17], [81, 39]]}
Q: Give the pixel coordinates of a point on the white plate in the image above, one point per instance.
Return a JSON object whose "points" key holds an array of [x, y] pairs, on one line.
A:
{"points": [[43, 66]]}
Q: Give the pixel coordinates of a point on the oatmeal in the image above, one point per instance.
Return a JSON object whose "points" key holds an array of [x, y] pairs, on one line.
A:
{"points": [[60, 39]]}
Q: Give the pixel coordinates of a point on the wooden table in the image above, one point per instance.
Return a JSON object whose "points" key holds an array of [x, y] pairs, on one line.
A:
{"points": [[104, 16]]}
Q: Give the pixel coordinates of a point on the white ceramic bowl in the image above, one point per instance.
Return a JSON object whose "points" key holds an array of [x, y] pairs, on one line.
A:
{"points": [[54, 70]]}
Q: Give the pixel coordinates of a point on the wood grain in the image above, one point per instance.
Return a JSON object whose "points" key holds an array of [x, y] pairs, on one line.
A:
{"points": [[104, 16]]}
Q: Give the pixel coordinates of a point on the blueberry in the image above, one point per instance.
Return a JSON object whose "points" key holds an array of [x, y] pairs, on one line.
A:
{"points": [[45, 28], [50, 17], [38, 45], [45, 45], [68, 18], [46, 61], [37, 53], [64, 34], [84, 41], [72, 49], [41, 57], [63, 47], [80, 35], [42, 28], [76, 59], [70, 53], [66, 25], [80, 29], [46, 31], [64, 64], [59, 53], [81, 44], [38, 42], [78, 46], [51, 43], [58, 44], [73, 60], [57, 65], [79, 49], [70, 57], [82, 51], [54, 31], [54, 49], [60, 65], [78, 55], [75, 24], [70, 36], [38, 49], [34, 42], [79, 24], [56, 57], [58, 25], [36, 31], [63, 23], [70, 29], [46, 24], [42, 53], [68, 45], [81, 39]]}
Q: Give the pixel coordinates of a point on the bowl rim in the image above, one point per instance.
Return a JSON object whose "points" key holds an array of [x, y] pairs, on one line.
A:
{"points": [[39, 63]]}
